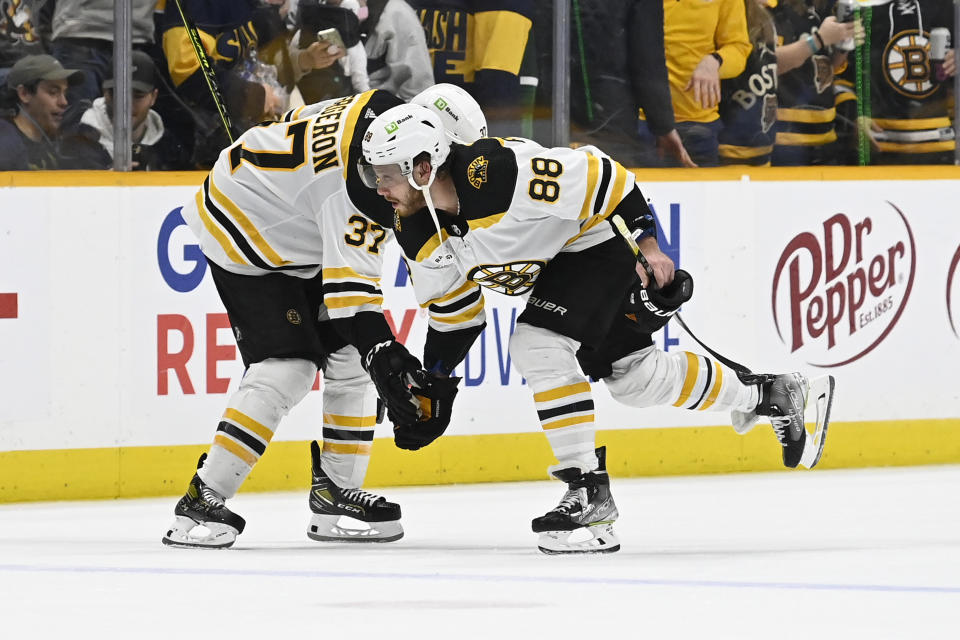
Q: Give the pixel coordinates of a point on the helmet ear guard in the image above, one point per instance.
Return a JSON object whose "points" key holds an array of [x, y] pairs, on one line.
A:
{"points": [[653, 308]]}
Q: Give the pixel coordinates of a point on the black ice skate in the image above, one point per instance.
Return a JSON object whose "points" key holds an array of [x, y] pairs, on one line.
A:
{"points": [[329, 503], [586, 507], [202, 519], [784, 398]]}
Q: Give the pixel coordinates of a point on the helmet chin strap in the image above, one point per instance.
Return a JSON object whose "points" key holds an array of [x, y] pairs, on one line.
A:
{"points": [[425, 189]]}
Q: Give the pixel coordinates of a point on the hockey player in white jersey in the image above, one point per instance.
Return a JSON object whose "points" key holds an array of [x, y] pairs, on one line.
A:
{"points": [[295, 243], [524, 220]]}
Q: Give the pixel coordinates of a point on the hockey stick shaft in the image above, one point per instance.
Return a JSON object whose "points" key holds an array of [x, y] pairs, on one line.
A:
{"points": [[621, 227], [207, 71]]}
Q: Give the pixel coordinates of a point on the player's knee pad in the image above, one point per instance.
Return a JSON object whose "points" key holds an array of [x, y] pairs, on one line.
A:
{"points": [[279, 383], [647, 378], [539, 352]]}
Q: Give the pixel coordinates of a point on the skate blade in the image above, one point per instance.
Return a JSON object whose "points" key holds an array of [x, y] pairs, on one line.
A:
{"points": [[336, 529], [601, 539], [186, 533], [820, 400]]}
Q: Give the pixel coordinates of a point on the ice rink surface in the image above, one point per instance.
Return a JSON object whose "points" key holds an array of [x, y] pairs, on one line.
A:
{"points": [[824, 554]]}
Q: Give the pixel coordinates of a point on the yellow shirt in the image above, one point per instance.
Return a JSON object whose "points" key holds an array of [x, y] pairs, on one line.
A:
{"points": [[693, 29]]}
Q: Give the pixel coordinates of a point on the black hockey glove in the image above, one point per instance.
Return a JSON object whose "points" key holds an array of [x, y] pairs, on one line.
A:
{"points": [[653, 308], [391, 367], [435, 396]]}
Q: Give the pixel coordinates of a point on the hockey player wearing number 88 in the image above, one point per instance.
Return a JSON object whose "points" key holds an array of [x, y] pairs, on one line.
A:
{"points": [[294, 243], [524, 220]]}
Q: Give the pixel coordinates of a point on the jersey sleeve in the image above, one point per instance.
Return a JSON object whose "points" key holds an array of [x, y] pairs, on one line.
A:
{"points": [[352, 265], [456, 314]]}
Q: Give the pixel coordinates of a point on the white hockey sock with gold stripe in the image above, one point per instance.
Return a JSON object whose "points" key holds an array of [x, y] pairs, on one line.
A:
{"points": [[268, 391], [567, 417], [349, 418], [651, 377]]}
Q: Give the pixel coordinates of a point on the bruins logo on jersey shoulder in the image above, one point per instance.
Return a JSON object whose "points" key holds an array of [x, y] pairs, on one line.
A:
{"points": [[477, 172], [486, 172], [512, 279]]}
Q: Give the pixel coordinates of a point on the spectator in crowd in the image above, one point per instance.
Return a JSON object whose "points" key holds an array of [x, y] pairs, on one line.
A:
{"points": [[806, 61], [748, 103], [704, 43], [153, 148], [19, 32], [83, 39], [34, 138], [909, 106], [399, 61], [314, 71], [618, 68], [479, 45], [231, 33]]}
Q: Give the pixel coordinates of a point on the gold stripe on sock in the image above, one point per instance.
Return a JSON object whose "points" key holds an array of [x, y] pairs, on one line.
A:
{"points": [[235, 449], [693, 368], [562, 392]]}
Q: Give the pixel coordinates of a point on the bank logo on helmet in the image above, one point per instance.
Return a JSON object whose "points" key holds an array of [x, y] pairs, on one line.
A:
{"points": [[840, 288]]}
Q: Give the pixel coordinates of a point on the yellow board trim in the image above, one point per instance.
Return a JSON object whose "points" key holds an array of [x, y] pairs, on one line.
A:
{"points": [[135, 472], [248, 423], [84, 179], [562, 392], [349, 421]]}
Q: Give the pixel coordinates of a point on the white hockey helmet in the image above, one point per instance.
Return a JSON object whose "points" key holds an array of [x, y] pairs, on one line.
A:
{"points": [[396, 137], [462, 118]]}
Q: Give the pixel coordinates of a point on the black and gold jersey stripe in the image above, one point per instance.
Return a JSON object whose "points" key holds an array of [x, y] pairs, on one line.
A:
{"points": [[238, 237]]}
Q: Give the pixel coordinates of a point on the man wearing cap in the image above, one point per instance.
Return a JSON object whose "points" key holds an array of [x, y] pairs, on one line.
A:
{"points": [[152, 149], [32, 138]]}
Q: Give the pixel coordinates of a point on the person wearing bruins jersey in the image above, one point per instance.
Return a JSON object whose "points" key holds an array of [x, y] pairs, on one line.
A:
{"points": [[514, 217], [295, 244], [806, 61], [909, 106]]}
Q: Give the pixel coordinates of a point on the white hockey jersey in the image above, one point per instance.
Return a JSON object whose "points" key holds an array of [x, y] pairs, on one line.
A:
{"points": [[286, 197], [520, 205]]}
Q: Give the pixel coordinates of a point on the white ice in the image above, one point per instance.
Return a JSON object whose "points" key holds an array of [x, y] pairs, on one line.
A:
{"points": [[823, 554]]}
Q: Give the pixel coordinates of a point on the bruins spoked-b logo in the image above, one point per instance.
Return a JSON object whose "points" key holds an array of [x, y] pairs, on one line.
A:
{"points": [[906, 64], [512, 279], [477, 172]]}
